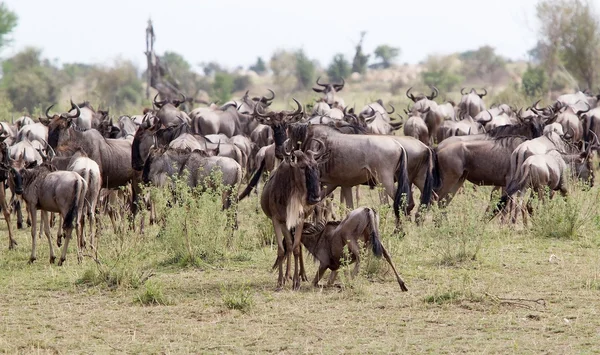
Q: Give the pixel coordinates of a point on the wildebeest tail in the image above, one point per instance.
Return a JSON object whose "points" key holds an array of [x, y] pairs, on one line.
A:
{"points": [[375, 241], [253, 182], [436, 171], [403, 191], [429, 179], [78, 190]]}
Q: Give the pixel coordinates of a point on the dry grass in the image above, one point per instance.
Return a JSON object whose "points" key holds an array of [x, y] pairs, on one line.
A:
{"points": [[521, 293]]}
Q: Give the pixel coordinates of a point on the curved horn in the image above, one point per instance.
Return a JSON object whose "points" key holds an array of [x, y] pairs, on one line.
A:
{"points": [[393, 109], [485, 92], [339, 87], [434, 94], [321, 150], [48, 110], [77, 112], [318, 83], [461, 91], [584, 111], [272, 96], [484, 122], [256, 113], [158, 103], [298, 110], [409, 95]]}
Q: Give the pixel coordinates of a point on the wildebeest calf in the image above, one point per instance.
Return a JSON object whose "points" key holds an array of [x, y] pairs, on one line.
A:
{"points": [[326, 242]]}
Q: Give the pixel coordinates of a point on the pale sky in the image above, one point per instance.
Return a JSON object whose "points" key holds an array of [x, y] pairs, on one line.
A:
{"points": [[236, 32]]}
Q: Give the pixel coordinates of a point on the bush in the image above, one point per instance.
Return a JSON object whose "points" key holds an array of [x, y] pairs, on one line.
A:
{"points": [[241, 298], [535, 82], [338, 69], [241, 83], [222, 87], [152, 295]]}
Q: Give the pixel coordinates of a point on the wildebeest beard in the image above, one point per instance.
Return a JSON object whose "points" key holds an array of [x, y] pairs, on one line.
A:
{"points": [[297, 133], [137, 163], [279, 137], [313, 188], [53, 137], [146, 169]]}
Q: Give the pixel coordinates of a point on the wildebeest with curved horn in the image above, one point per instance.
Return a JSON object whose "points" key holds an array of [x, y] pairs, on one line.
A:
{"points": [[326, 243], [471, 103], [330, 90], [434, 117], [169, 113], [6, 172]]}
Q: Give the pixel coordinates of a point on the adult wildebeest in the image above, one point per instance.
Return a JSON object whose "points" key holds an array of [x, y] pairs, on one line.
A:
{"points": [[570, 117], [49, 190], [434, 117], [291, 190], [573, 99], [169, 113], [163, 163], [330, 90], [549, 170], [378, 124], [471, 103], [415, 127], [85, 116], [326, 243], [226, 120]]}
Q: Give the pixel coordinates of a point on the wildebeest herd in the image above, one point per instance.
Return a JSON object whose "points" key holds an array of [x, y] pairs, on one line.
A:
{"points": [[72, 163]]}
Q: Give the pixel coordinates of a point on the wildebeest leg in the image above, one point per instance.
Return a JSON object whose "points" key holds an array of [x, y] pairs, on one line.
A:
{"points": [[17, 206], [281, 252], [33, 233], [63, 254], [354, 249], [389, 260], [449, 190], [12, 243], [45, 224], [60, 235], [332, 277], [388, 184], [319, 275], [347, 193], [297, 254], [358, 195]]}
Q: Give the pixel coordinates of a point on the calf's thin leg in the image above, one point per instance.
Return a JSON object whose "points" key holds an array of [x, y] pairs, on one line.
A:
{"points": [[46, 226], [32, 258]]}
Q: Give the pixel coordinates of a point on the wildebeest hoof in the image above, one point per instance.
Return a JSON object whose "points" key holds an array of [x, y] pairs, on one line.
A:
{"points": [[19, 225], [12, 245], [61, 261], [52, 259], [32, 259]]}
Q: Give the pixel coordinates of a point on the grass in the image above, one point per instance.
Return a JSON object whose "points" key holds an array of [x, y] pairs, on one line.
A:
{"points": [[142, 298]]}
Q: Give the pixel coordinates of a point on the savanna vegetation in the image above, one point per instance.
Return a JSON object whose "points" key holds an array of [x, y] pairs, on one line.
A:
{"points": [[191, 284]]}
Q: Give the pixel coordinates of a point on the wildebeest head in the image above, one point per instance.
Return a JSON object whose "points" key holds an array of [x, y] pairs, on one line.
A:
{"points": [[329, 90], [143, 140], [279, 121], [247, 104], [174, 102], [473, 91], [422, 96], [58, 124], [307, 163]]}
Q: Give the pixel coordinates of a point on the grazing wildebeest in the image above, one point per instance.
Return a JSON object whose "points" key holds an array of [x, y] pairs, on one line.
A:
{"points": [[291, 190], [471, 103], [163, 163], [330, 91], [49, 190], [326, 243], [549, 170]]}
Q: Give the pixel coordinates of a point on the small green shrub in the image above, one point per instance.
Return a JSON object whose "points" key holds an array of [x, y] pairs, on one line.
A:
{"points": [[152, 295], [241, 298]]}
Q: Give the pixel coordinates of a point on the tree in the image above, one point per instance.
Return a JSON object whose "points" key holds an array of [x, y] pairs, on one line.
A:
{"points": [[259, 67], [339, 68], [483, 64], [222, 87], [386, 54], [283, 66], [119, 86], [441, 72], [305, 70], [8, 21], [569, 39], [29, 81], [535, 81], [359, 63]]}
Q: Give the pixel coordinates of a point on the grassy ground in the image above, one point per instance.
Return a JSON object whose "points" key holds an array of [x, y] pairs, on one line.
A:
{"points": [[191, 287]]}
